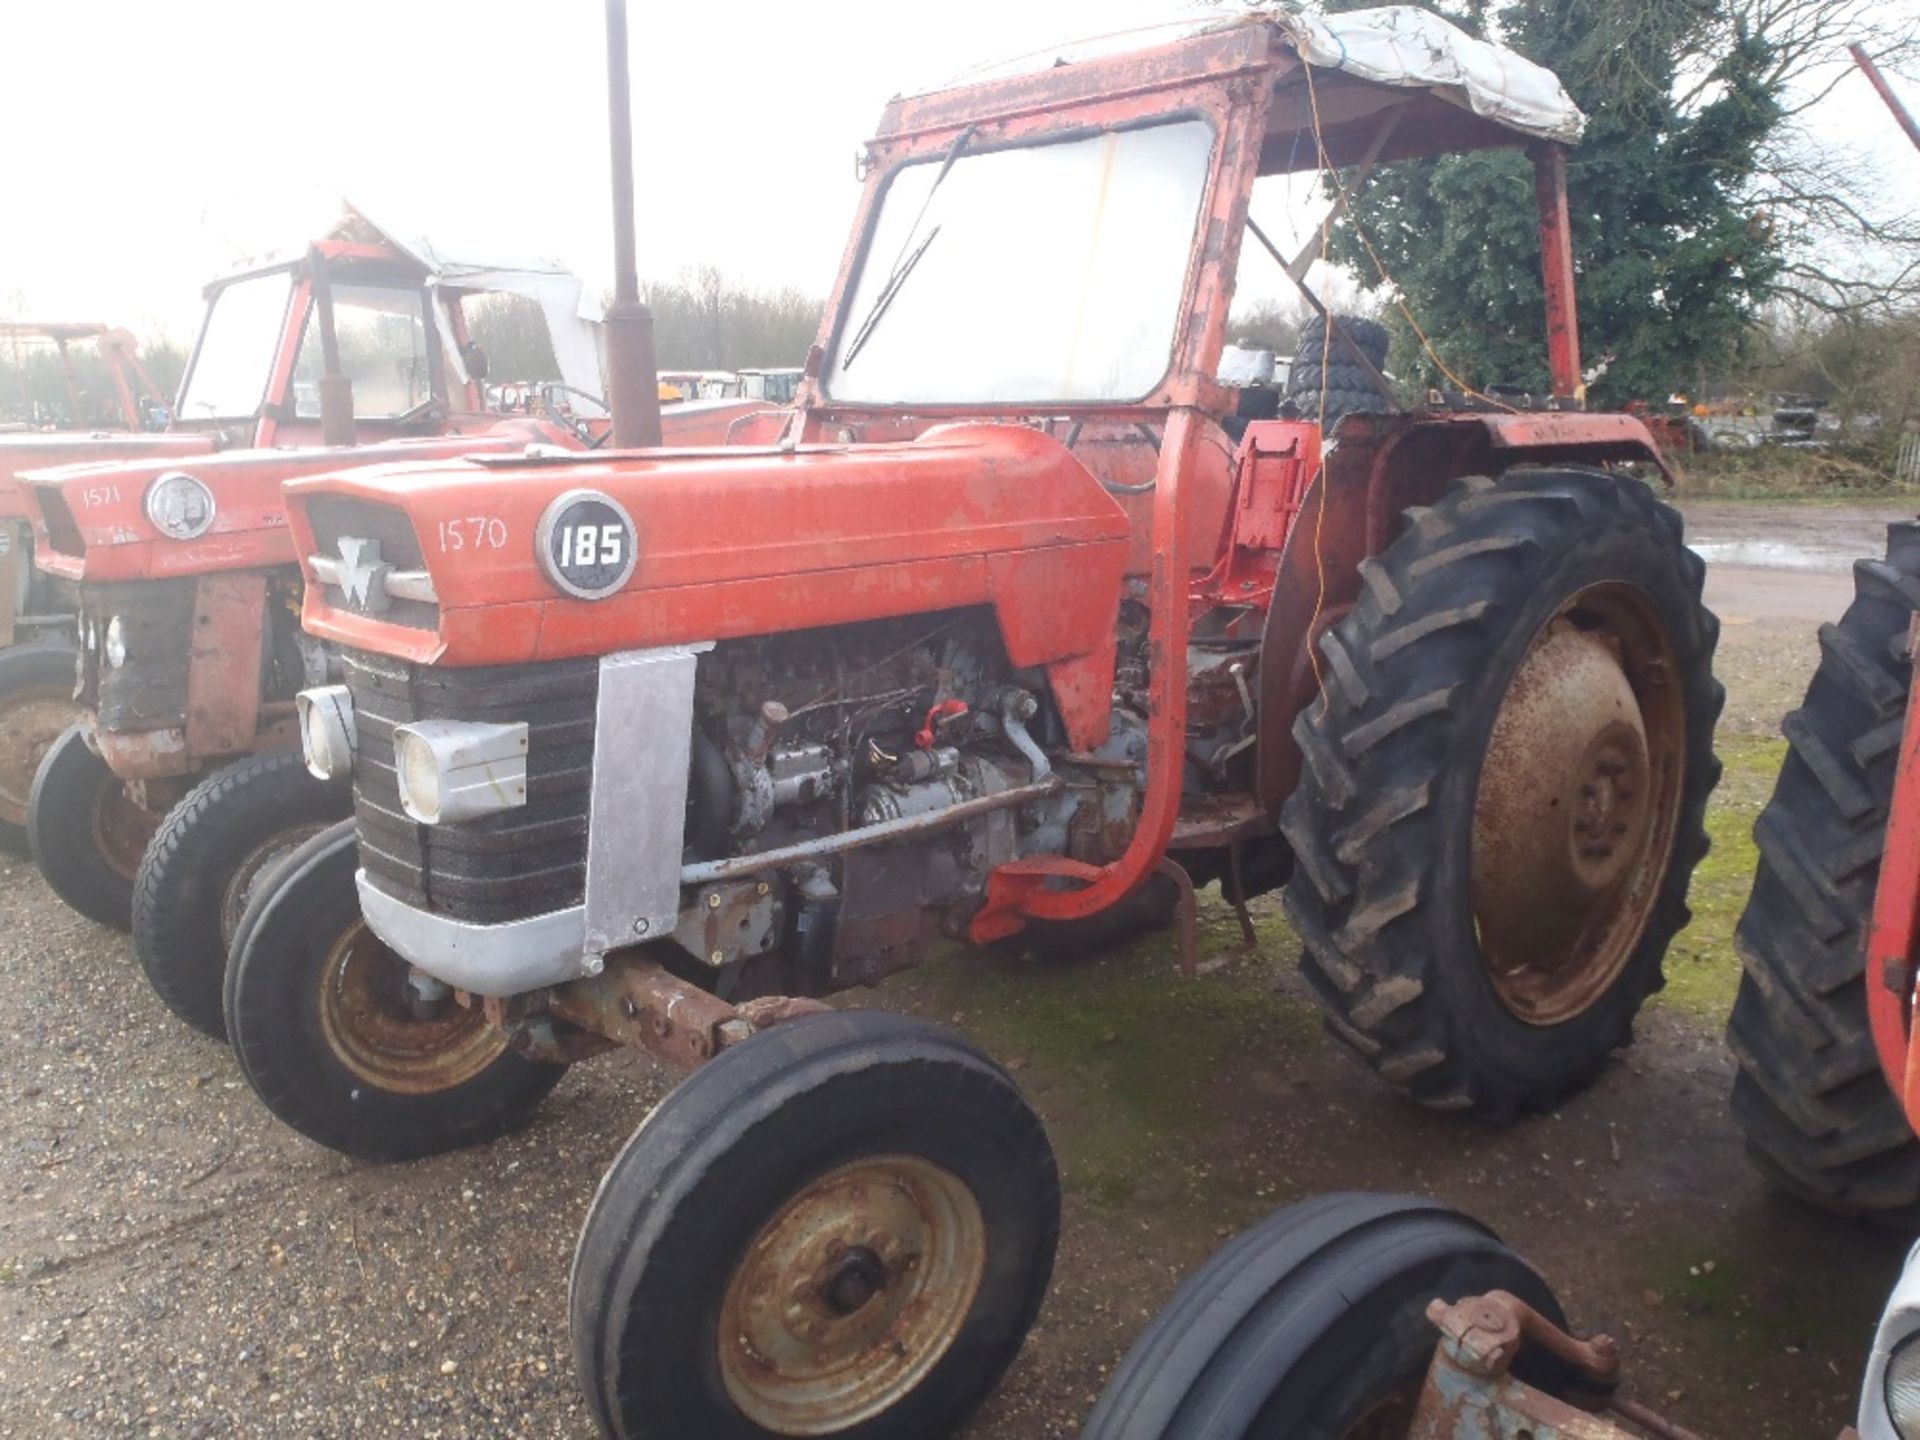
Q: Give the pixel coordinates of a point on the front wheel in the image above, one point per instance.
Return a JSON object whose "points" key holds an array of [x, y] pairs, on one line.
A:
{"points": [[87, 833], [1505, 784], [209, 857], [843, 1227], [337, 1040], [36, 705], [1312, 1326]]}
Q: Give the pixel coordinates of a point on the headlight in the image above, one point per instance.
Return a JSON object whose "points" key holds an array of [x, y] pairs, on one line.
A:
{"points": [[451, 770], [180, 506], [115, 648], [1903, 1388], [419, 778], [327, 731]]}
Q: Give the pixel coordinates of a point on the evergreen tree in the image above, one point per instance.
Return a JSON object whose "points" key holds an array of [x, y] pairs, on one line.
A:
{"points": [[1671, 263]]}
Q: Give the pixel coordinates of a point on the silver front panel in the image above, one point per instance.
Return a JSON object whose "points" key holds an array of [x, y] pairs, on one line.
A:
{"points": [[636, 820]]}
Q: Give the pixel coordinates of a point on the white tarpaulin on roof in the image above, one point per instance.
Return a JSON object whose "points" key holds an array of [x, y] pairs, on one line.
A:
{"points": [[1401, 45], [1404, 45]]}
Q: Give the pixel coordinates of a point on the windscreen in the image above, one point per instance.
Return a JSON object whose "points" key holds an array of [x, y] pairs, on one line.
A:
{"points": [[382, 333], [234, 360], [1043, 273]]}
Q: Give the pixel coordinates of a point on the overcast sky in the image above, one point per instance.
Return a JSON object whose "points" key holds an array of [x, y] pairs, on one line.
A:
{"points": [[151, 144]]}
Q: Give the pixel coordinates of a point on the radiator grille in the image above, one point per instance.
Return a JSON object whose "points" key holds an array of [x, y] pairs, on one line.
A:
{"points": [[502, 867]]}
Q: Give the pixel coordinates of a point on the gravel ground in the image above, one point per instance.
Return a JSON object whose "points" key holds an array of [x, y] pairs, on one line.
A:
{"points": [[173, 1263]]}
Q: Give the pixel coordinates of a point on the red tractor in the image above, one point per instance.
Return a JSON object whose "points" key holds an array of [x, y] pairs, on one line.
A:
{"points": [[188, 588], [1025, 622], [1829, 1083], [36, 609]]}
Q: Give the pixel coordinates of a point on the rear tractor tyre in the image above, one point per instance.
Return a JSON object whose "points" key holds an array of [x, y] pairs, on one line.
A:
{"points": [[1312, 1326], [1504, 786], [1820, 1119], [86, 831], [340, 1045], [204, 864], [36, 705], [843, 1227]]}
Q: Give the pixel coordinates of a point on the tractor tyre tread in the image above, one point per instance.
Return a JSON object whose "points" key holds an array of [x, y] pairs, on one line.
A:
{"points": [[1820, 1119], [181, 885], [1437, 609]]}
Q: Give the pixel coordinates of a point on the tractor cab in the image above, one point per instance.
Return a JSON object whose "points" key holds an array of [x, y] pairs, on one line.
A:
{"points": [[394, 320]]}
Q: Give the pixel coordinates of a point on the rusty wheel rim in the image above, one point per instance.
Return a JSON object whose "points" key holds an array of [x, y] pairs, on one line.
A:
{"points": [[31, 719], [121, 827], [849, 1296], [1388, 1418], [258, 864], [1578, 805], [385, 1035]]}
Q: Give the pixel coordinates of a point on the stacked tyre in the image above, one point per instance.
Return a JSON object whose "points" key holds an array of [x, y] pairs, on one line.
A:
{"points": [[1326, 381]]}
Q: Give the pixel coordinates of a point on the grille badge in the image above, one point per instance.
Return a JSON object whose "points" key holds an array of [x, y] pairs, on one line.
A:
{"points": [[363, 576]]}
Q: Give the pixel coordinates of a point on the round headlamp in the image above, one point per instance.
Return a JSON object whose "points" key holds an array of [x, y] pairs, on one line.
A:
{"points": [[327, 731], [1903, 1388], [114, 647], [419, 777], [179, 506]]}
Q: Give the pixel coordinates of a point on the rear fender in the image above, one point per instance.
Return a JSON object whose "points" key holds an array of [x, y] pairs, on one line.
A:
{"points": [[1377, 467]]}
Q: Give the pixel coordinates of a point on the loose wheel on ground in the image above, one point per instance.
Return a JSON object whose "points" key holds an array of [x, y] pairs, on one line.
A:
{"points": [[1818, 1114], [1504, 785], [1312, 1326], [341, 1044], [36, 704], [842, 1227], [206, 862], [86, 832]]}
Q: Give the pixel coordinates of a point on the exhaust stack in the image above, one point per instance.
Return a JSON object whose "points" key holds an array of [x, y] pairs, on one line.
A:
{"points": [[633, 374]]}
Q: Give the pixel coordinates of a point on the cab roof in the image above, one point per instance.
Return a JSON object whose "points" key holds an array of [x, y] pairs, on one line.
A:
{"points": [[1392, 83]]}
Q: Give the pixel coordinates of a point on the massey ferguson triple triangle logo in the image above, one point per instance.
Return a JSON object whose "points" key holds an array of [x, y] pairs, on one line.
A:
{"points": [[363, 576]]}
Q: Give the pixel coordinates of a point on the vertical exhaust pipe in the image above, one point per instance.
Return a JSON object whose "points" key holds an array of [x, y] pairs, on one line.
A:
{"points": [[336, 387], [633, 374]]}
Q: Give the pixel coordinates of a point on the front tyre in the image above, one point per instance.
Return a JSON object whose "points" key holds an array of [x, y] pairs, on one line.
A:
{"points": [[1312, 1326], [1504, 787], [36, 705], [204, 864], [340, 1045], [86, 832], [844, 1227]]}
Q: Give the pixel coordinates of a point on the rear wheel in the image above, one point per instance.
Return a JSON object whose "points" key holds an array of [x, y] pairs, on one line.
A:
{"points": [[341, 1044], [844, 1226], [36, 704], [1820, 1119], [206, 862], [1312, 1326], [1505, 782], [87, 833]]}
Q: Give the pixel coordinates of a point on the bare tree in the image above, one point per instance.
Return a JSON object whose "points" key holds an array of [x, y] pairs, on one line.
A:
{"points": [[1850, 244]]}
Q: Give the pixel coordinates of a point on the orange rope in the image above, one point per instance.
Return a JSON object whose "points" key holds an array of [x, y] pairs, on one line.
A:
{"points": [[1325, 167]]}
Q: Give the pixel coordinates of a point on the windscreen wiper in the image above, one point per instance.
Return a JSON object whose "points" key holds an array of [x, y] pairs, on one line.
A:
{"points": [[884, 300], [907, 259]]}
